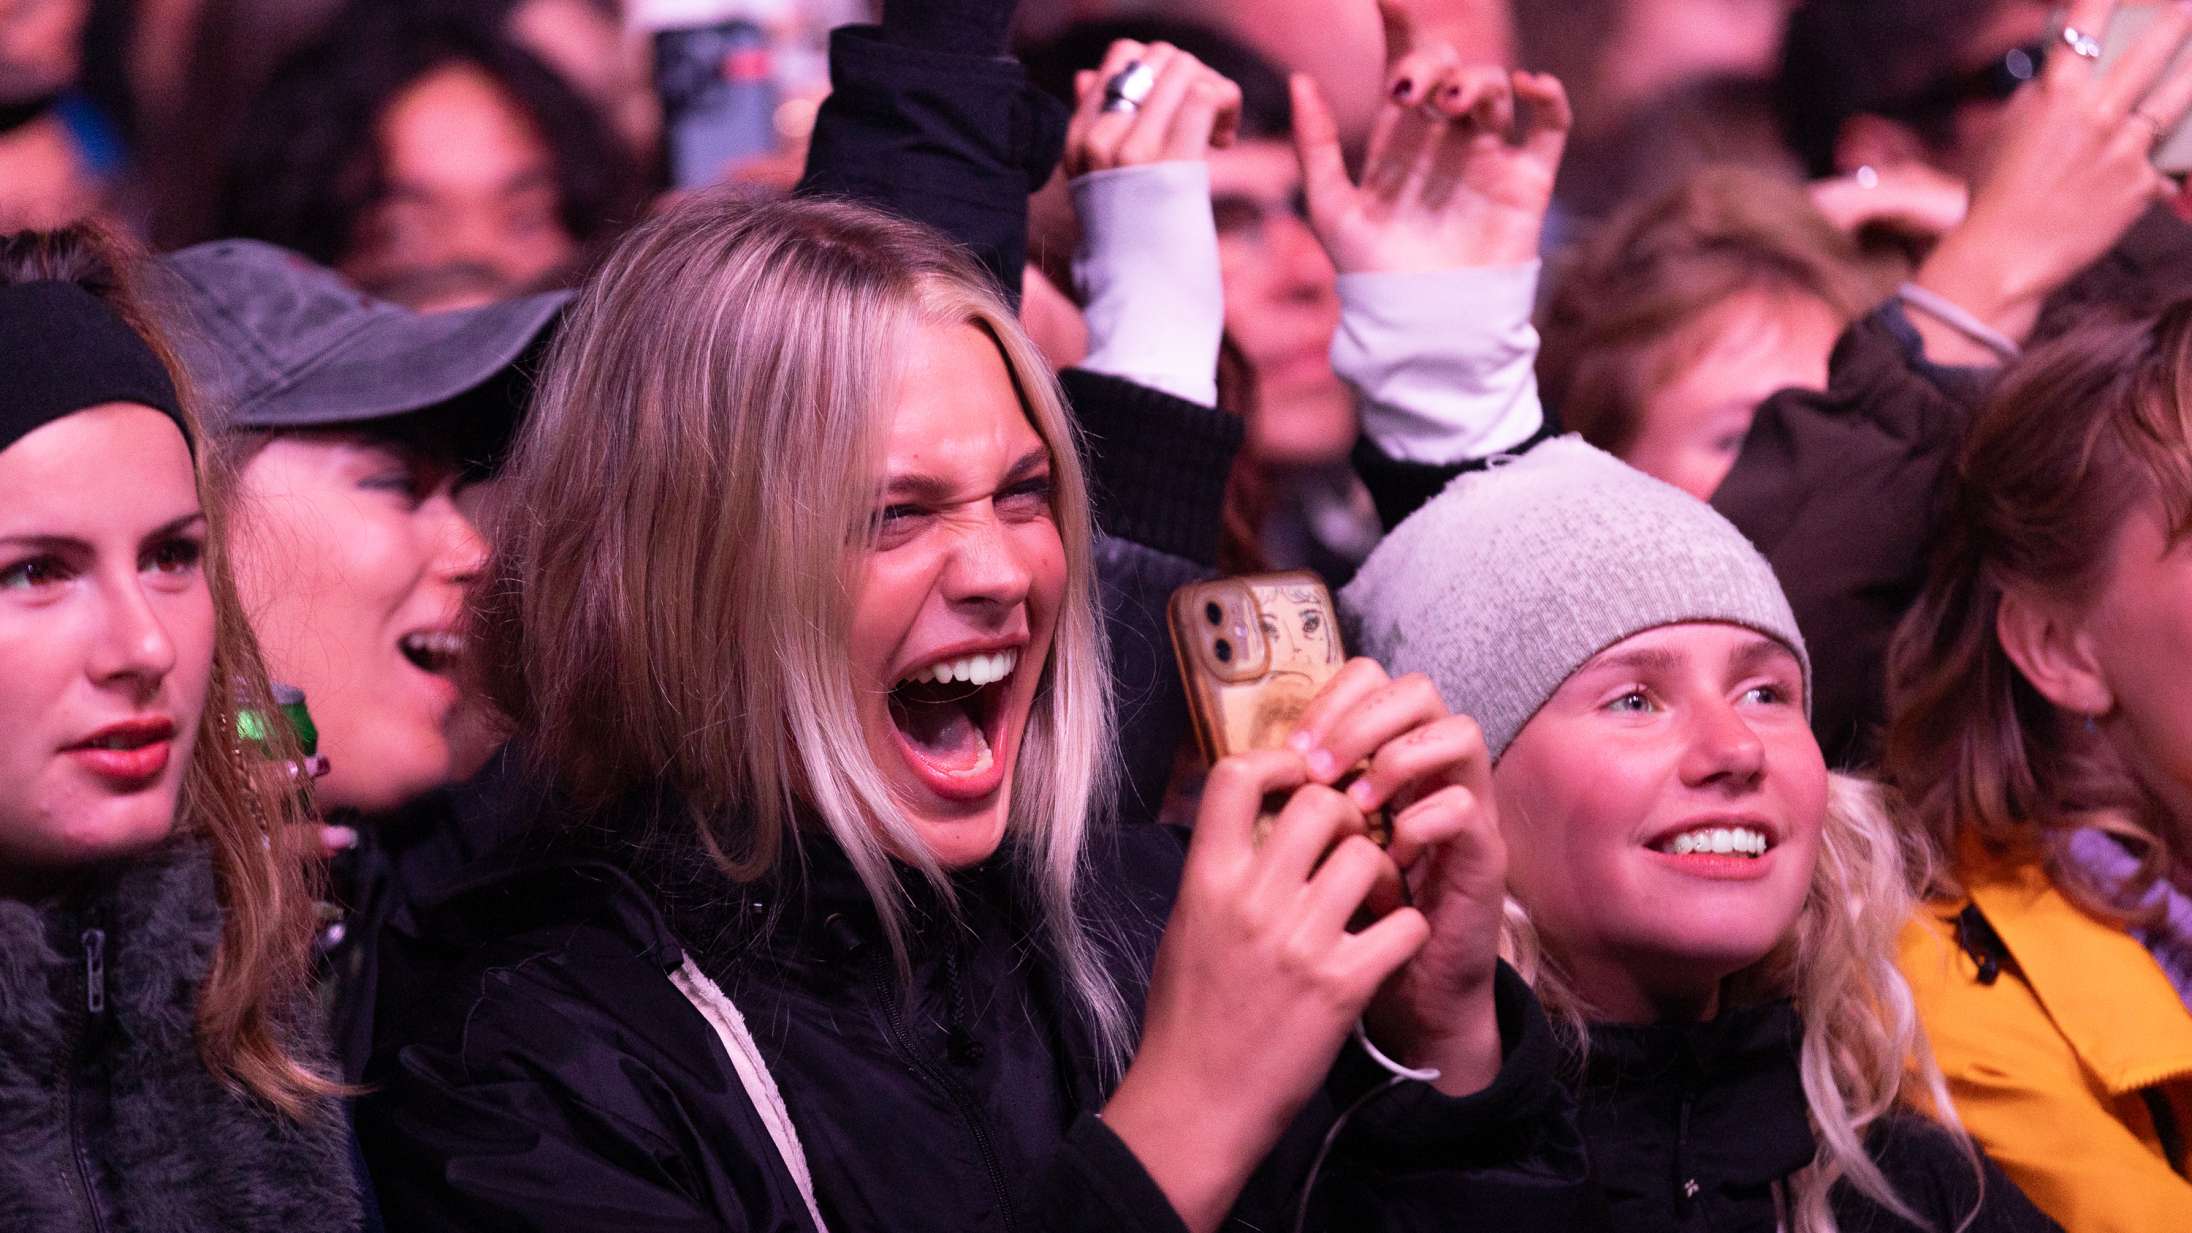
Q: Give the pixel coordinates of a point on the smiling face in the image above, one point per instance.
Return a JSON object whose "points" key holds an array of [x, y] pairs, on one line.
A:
{"points": [[958, 597], [354, 552], [1628, 801], [106, 628]]}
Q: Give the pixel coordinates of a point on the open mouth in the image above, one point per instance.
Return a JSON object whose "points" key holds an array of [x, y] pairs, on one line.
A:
{"points": [[437, 651], [1742, 842], [948, 713]]}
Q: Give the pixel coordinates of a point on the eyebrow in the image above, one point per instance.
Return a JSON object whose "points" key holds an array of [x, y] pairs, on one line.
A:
{"points": [[921, 487], [1758, 653], [1640, 660], [55, 543]]}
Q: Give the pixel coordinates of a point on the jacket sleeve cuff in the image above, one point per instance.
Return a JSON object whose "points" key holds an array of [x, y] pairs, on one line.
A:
{"points": [[1096, 1183], [1444, 360], [1399, 487], [1157, 465]]}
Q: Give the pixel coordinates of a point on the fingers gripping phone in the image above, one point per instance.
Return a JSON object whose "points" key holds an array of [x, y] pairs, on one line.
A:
{"points": [[1253, 652]]}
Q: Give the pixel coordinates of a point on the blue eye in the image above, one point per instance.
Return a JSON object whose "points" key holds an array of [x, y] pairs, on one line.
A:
{"points": [[1766, 695], [1633, 702]]}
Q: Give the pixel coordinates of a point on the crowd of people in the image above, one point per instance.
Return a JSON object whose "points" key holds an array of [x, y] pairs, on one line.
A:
{"points": [[546, 690]]}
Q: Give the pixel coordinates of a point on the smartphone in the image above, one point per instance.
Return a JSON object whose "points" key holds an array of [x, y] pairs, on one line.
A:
{"points": [[1253, 652], [2173, 153], [719, 97]]}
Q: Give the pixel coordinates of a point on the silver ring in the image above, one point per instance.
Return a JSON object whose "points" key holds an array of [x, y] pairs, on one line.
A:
{"points": [[1129, 86], [2084, 45]]}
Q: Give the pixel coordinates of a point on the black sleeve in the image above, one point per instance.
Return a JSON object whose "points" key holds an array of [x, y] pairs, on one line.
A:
{"points": [[1510, 1157], [956, 140], [1096, 1185], [1932, 1173], [1399, 488], [1841, 490], [1157, 469]]}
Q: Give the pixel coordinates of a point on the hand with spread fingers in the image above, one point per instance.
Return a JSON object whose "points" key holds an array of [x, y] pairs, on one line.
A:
{"points": [[1148, 103], [2070, 174], [1430, 770], [1450, 181]]}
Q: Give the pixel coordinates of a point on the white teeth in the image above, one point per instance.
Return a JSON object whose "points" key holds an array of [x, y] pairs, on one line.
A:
{"points": [[967, 669], [436, 642], [1717, 841]]}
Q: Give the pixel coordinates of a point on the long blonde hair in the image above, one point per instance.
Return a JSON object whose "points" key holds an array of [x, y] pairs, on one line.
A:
{"points": [[669, 603], [250, 1017], [1863, 1052]]}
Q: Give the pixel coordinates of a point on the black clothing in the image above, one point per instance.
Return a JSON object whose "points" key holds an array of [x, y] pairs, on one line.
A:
{"points": [[543, 1072], [956, 141], [109, 1119], [1682, 1128]]}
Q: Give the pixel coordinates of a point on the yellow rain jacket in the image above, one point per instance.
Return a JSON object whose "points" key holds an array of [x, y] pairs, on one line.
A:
{"points": [[2068, 1052]]}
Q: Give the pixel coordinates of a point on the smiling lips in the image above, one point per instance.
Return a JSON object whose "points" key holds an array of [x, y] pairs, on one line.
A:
{"points": [[129, 755], [1727, 850]]}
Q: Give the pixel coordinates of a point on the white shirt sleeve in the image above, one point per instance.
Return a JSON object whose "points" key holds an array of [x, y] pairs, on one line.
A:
{"points": [[1147, 275], [1443, 361]]}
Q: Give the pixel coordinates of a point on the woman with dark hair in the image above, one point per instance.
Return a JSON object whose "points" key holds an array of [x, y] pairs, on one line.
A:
{"points": [[429, 159], [156, 1068], [2041, 736]]}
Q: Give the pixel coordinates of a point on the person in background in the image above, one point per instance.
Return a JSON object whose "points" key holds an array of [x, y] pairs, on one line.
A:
{"points": [[363, 436], [60, 151], [2038, 699], [1669, 326], [430, 160], [159, 1064]]}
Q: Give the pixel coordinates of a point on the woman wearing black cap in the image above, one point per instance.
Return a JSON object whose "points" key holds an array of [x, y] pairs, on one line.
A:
{"points": [[154, 913]]}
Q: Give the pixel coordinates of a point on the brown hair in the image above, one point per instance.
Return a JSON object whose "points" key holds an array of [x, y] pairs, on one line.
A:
{"points": [[2083, 433], [1617, 323], [671, 593], [263, 851]]}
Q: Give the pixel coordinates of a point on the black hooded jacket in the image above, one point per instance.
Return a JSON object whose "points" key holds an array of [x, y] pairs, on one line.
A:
{"points": [[541, 1070]]}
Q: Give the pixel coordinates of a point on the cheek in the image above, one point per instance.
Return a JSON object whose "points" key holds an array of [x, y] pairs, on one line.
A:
{"points": [[893, 590], [1568, 819]]}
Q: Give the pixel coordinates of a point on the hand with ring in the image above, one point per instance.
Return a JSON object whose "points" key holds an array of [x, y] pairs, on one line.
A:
{"points": [[2070, 173], [1148, 103]]}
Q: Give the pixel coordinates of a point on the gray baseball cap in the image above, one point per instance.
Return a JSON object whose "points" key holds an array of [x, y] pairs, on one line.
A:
{"points": [[273, 340]]}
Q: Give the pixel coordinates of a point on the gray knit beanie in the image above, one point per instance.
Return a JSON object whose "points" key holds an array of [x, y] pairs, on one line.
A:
{"points": [[1514, 577]]}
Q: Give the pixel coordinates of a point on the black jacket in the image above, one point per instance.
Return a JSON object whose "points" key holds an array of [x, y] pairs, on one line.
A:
{"points": [[542, 1071], [109, 1118], [1681, 1129]]}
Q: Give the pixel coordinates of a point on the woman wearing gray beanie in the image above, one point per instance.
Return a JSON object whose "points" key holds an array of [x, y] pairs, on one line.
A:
{"points": [[1707, 914]]}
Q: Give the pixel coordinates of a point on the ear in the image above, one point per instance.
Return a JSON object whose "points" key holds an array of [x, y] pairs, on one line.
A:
{"points": [[1876, 141], [2053, 652]]}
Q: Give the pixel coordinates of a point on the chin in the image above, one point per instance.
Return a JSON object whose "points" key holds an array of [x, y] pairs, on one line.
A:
{"points": [[119, 829]]}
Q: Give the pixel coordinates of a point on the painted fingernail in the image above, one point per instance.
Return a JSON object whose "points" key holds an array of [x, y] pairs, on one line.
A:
{"points": [[1320, 763], [1403, 88], [338, 838], [1360, 793]]}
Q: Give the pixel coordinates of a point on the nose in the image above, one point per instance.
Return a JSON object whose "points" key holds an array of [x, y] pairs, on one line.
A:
{"points": [[1724, 752], [133, 647], [1301, 259], [986, 569], [460, 545]]}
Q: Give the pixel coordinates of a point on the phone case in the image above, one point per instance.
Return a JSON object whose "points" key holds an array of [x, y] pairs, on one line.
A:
{"points": [[1253, 651]]}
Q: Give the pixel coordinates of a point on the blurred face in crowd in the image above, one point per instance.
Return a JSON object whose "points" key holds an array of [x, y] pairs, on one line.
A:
{"points": [[106, 628], [1659, 44], [1281, 306], [1956, 139], [469, 185], [2134, 636], [1662, 816], [610, 66], [354, 552], [1691, 424], [40, 44], [958, 595]]}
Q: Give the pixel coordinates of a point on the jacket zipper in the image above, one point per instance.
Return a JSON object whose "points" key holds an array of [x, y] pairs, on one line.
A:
{"points": [[95, 1007], [894, 1013]]}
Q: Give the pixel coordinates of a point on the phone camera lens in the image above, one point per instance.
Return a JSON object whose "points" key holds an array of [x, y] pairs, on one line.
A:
{"points": [[1224, 651], [1214, 614]]}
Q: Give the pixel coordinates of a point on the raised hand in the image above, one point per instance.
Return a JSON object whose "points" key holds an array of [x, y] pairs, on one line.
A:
{"points": [[1189, 109], [2071, 172], [1450, 181]]}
